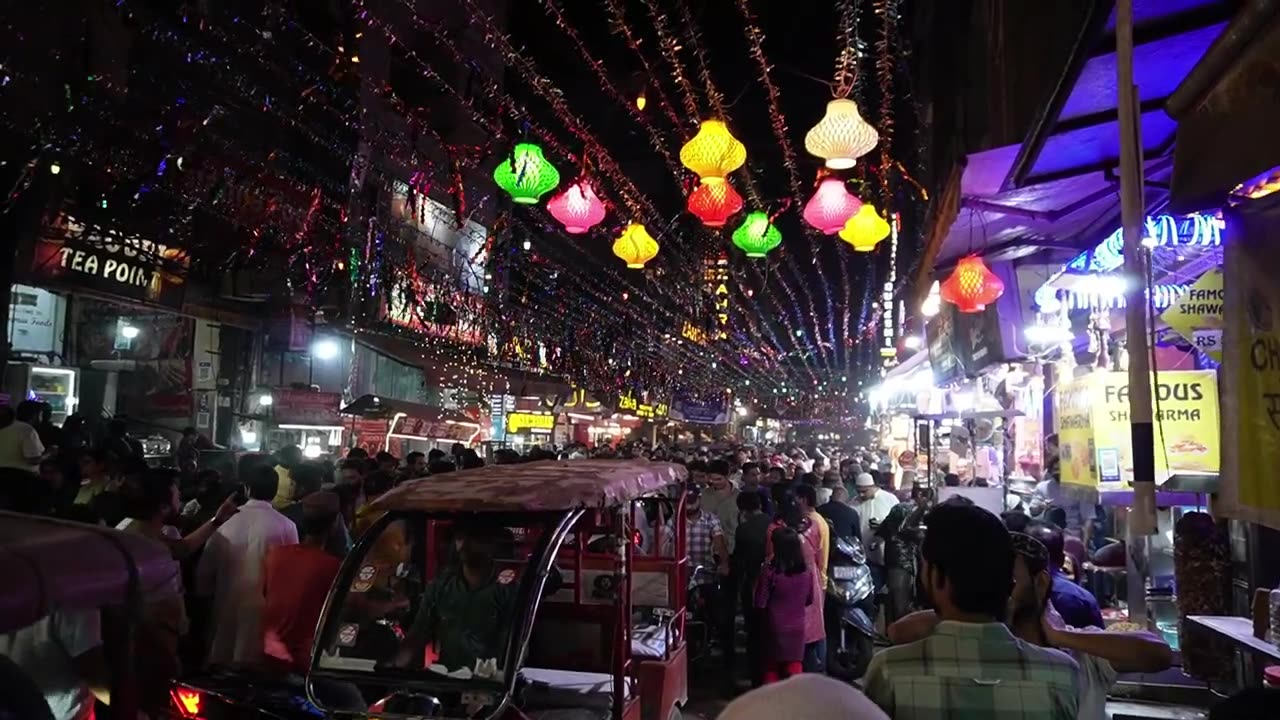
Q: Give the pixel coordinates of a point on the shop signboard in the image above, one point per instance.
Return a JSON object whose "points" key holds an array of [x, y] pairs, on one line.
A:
{"points": [[1197, 314], [370, 434], [1094, 430], [704, 412], [78, 256], [940, 332], [428, 429], [532, 422], [36, 319], [304, 407], [1251, 366], [629, 403]]}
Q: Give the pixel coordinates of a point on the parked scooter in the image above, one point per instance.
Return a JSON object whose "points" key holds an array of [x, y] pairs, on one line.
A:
{"points": [[849, 610]]}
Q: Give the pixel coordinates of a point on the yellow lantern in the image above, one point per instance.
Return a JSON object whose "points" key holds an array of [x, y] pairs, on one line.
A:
{"points": [[841, 136], [714, 152], [865, 229], [635, 246]]}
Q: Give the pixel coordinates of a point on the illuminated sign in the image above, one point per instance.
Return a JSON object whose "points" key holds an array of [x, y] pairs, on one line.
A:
{"points": [[533, 422], [109, 262], [642, 410]]}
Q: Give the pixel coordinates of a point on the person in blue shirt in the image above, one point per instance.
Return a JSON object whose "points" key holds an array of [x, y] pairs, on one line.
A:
{"points": [[1077, 606]]}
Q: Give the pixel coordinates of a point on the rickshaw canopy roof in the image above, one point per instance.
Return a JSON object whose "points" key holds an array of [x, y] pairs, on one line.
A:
{"points": [[50, 564], [535, 486]]}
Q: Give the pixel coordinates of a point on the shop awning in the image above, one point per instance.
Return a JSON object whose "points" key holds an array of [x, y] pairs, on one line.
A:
{"points": [[1226, 110]]}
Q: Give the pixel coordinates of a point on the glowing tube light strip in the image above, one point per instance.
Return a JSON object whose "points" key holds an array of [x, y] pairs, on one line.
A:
{"points": [[1196, 230], [1162, 297]]}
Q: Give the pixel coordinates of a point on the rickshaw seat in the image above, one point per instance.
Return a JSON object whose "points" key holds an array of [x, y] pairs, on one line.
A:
{"points": [[577, 682], [649, 641]]}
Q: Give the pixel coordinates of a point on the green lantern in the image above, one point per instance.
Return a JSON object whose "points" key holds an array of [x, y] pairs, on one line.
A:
{"points": [[756, 236], [526, 175]]}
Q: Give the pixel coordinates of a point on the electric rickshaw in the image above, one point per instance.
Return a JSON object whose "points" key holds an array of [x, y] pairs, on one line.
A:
{"points": [[551, 590]]}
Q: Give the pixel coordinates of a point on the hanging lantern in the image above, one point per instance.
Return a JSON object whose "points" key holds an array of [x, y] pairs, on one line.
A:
{"points": [[841, 136], [577, 208], [972, 286], [635, 246], [831, 206], [757, 235], [865, 229], [714, 152], [526, 175], [714, 203]]}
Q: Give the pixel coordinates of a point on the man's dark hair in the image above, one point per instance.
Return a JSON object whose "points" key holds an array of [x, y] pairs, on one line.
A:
{"points": [[749, 466], [307, 478], [385, 456], [810, 479], [471, 459], [718, 467], [357, 453], [951, 480], [154, 492], [434, 455], [971, 549], [439, 467], [188, 430], [289, 455], [697, 466], [116, 428], [357, 464], [1057, 516], [377, 483], [413, 457], [807, 493], [749, 502], [28, 411], [1015, 521], [457, 449], [1050, 536], [317, 525], [264, 483]]}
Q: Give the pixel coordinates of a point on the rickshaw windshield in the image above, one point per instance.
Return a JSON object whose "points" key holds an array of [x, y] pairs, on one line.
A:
{"points": [[435, 599]]}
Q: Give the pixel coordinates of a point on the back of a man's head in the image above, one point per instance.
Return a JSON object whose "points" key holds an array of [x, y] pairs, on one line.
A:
{"points": [[263, 484], [307, 477], [1050, 536], [289, 455], [970, 559]]}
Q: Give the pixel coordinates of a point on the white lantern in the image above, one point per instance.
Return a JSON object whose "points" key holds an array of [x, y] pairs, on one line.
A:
{"points": [[841, 136]]}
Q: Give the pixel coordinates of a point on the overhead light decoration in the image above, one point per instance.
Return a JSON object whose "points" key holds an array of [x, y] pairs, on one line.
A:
{"points": [[757, 234], [635, 246], [526, 175], [714, 152], [714, 203], [841, 136], [865, 229], [831, 206], [577, 208], [932, 304], [972, 286]]}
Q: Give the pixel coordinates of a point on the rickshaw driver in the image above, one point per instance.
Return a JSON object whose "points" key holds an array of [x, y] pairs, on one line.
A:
{"points": [[465, 611]]}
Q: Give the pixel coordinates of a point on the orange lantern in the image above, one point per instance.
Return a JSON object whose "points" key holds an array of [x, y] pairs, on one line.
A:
{"points": [[972, 286], [714, 203]]}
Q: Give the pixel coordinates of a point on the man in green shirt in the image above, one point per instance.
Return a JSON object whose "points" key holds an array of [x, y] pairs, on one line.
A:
{"points": [[466, 611]]}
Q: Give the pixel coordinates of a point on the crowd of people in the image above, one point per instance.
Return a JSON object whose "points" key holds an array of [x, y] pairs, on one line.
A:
{"points": [[981, 617]]}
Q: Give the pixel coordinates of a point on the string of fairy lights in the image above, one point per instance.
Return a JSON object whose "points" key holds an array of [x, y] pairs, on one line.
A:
{"points": [[586, 315]]}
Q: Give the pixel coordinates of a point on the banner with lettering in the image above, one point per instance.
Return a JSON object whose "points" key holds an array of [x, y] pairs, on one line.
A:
{"points": [[1197, 314], [78, 256], [1096, 449], [1251, 365]]}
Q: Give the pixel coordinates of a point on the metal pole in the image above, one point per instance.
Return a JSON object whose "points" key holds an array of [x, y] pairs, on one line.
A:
{"points": [[1141, 519]]}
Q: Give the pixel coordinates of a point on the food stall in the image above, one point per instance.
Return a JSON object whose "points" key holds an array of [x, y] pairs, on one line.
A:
{"points": [[306, 418]]}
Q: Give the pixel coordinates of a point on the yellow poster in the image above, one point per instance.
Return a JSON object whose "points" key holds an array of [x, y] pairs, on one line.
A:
{"points": [[1074, 425], [1197, 314], [1185, 414], [1251, 369]]}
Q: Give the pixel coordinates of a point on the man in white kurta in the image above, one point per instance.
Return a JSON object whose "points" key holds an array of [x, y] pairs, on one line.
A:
{"points": [[231, 571]]}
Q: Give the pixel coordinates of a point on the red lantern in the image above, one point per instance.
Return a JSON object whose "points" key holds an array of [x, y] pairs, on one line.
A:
{"points": [[577, 208], [831, 206], [972, 287], [714, 203]]}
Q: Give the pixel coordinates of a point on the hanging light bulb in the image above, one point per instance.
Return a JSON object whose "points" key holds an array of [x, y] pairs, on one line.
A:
{"points": [[641, 100], [841, 136], [972, 286], [865, 229], [714, 203], [831, 206], [714, 152], [932, 304], [757, 235], [526, 174], [577, 208], [635, 246]]}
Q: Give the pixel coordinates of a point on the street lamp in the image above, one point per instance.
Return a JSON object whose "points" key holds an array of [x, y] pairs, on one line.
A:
{"points": [[129, 332], [325, 349]]}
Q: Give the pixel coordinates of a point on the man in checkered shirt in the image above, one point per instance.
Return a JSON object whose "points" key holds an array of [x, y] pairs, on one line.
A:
{"points": [[704, 539], [972, 666]]}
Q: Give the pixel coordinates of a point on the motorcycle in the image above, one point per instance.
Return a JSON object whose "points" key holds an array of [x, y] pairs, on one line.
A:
{"points": [[849, 610]]}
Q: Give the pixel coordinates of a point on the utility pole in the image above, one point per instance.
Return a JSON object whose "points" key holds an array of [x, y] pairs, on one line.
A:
{"points": [[1142, 516]]}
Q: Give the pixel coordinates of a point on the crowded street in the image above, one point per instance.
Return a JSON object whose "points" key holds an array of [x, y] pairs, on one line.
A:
{"points": [[640, 360]]}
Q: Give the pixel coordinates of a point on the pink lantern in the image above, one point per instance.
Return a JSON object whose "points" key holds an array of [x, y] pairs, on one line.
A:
{"points": [[577, 208], [831, 206]]}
